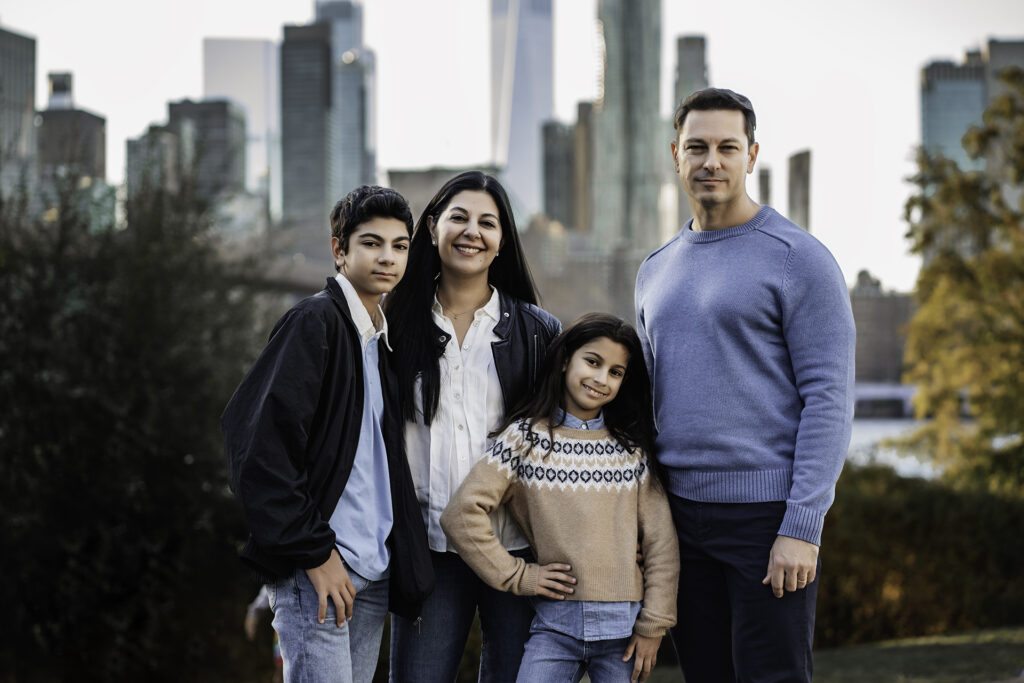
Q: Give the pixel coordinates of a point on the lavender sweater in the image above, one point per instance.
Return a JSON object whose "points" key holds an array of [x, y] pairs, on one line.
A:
{"points": [[749, 338]]}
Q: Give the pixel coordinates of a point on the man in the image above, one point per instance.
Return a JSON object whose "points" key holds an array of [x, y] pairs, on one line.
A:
{"points": [[748, 334], [314, 444]]}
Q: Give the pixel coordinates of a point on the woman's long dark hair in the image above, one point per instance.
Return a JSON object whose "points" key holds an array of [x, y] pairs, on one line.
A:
{"points": [[409, 303], [629, 417]]}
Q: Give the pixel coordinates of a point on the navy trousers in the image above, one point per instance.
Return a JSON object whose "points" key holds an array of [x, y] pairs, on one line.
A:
{"points": [[730, 626]]}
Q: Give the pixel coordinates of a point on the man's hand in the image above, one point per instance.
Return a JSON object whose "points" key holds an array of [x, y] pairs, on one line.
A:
{"points": [[332, 581], [554, 582], [646, 650], [791, 565]]}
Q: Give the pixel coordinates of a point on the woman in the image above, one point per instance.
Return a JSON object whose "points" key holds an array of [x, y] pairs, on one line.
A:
{"points": [[469, 341]]}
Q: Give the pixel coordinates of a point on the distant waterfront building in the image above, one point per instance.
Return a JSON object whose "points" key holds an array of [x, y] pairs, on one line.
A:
{"points": [[559, 142], [691, 76], [305, 124], [764, 186], [800, 189], [628, 156], [71, 142], [246, 71], [522, 95], [17, 109], [584, 145], [352, 157]]}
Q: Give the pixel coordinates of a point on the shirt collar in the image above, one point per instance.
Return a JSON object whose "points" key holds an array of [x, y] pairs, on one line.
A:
{"points": [[364, 324], [492, 308], [573, 422]]}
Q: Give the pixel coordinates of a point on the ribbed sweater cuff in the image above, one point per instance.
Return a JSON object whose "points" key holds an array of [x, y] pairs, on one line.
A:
{"points": [[530, 577], [802, 523]]}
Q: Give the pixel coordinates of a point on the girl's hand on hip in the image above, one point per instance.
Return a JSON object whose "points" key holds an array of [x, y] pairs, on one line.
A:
{"points": [[554, 581]]}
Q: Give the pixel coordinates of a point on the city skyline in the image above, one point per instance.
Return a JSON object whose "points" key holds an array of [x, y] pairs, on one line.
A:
{"points": [[850, 96]]}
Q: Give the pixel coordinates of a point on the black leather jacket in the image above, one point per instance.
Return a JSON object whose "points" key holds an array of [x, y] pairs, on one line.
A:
{"points": [[524, 334]]}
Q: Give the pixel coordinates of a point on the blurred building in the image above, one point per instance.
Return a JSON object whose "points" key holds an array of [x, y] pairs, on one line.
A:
{"points": [[305, 124], [764, 186], [952, 100], [419, 186], [155, 159], [17, 110], [219, 129], [628, 154], [559, 142], [881, 319], [246, 71], [799, 205], [353, 157], [522, 95], [72, 143], [954, 97], [691, 76]]}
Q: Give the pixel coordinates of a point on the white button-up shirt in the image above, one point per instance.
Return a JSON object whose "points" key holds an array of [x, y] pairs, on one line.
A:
{"points": [[469, 407]]}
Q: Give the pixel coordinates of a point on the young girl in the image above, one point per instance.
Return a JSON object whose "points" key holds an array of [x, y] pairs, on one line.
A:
{"points": [[468, 342], [571, 465]]}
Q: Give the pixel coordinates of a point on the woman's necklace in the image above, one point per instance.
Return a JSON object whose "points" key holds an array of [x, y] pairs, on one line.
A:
{"points": [[455, 316]]}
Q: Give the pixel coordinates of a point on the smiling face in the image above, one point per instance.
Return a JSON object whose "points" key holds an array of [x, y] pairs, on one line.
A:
{"points": [[593, 376], [712, 157], [468, 234], [378, 250]]}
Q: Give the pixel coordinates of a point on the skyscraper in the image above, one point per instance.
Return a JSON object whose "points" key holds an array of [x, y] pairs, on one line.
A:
{"points": [[219, 143], [691, 76], [952, 100], [352, 156], [306, 124], [17, 108], [522, 94], [628, 131], [559, 142], [800, 189], [246, 71], [154, 159]]}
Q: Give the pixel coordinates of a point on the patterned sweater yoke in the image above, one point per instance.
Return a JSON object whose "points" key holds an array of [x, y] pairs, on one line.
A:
{"points": [[582, 499]]}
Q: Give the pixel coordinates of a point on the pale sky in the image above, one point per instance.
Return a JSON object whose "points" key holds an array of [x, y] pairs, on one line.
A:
{"points": [[841, 78]]}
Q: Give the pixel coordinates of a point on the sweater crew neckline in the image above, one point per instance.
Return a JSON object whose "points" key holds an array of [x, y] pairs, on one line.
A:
{"points": [[704, 236]]}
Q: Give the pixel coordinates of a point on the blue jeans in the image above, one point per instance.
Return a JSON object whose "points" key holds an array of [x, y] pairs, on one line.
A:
{"points": [[731, 627], [314, 652], [557, 658], [429, 651]]}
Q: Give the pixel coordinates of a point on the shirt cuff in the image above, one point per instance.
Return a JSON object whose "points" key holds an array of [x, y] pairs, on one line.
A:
{"points": [[802, 523]]}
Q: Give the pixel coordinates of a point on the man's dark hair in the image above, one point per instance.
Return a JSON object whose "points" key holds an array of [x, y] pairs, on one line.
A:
{"points": [[717, 98], [366, 203]]}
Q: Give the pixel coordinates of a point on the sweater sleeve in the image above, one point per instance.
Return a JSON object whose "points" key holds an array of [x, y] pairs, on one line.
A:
{"points": [[819, 331], [266, 426], [466, 523], [661, 560]]}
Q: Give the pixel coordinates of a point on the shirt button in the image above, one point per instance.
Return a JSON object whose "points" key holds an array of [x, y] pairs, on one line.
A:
{"points": [[458, 396], [457, 367], [476, 323], [460, 428], [465, 347]]}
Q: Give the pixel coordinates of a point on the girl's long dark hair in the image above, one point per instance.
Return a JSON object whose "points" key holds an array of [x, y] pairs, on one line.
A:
{"points": [[408, 305], [629, 417]]}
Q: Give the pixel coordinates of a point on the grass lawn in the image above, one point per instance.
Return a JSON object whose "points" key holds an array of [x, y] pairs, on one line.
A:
{"points": [[983, 656]]}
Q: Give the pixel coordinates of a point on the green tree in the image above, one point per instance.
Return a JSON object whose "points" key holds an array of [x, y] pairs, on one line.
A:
{"points": [[965, 344], [120, 343]]}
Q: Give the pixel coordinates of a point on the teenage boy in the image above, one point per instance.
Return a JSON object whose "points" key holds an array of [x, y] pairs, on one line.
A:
{"points": [[748, 334], [315, 454]]}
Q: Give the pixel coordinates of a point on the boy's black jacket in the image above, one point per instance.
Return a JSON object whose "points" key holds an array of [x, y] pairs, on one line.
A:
{"points": [[290, 435]]}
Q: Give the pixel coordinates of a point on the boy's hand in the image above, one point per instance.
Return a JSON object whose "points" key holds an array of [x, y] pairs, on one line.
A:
{"points": [[646, 650], [554, 582], [331, 580]]}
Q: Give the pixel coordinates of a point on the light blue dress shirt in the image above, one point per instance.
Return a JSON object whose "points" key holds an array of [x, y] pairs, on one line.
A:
{"points": [[583, 619], [363, 517]]}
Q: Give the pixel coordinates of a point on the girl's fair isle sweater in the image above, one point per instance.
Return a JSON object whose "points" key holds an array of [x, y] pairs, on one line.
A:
{"points": [[586, 503]]}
